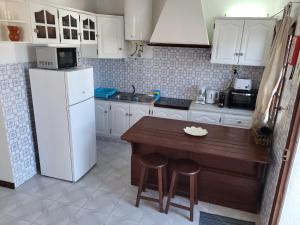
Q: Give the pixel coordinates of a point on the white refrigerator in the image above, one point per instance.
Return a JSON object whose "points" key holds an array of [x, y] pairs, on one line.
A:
{"points": [[64, 112]]}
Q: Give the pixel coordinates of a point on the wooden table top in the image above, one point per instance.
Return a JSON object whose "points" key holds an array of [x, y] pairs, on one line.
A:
{"points": [[221, 141]]}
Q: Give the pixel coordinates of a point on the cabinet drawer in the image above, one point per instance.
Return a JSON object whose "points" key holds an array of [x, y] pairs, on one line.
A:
{"points": [[237, 121], [170, 113], [205, 117]]}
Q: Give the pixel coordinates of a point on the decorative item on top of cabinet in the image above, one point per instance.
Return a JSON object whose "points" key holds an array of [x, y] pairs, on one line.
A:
{"points": [[69, 27], [88, 29], [14, 21], [44, 21], [242, 41], [110, 36]]}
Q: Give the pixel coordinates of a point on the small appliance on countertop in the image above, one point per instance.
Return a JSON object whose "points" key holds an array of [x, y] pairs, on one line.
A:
{"points": [[242, 99], [55, 58], [211, 96], [173, 103], [242, 84], [201, 96]]}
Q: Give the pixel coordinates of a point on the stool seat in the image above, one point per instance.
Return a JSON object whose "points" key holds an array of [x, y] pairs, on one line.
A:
{"points": [[185, 167], [154, 161]]}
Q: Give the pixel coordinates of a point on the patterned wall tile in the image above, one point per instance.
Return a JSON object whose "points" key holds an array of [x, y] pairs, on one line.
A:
{"points": [[15, 98], [177, 72]]}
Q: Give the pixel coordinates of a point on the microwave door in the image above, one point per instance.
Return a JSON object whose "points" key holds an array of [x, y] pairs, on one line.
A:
{"points": [[66, 57]]}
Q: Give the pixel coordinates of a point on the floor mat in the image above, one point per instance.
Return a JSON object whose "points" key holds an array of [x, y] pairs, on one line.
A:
{"points": [[211, 219]]}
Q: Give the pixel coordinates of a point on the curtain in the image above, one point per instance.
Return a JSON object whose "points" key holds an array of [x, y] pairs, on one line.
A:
{"points": [[273, 70]]}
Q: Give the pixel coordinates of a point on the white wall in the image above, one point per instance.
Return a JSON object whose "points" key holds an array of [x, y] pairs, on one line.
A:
{"points": [[87, 5], [5, 165], [290, 213]]}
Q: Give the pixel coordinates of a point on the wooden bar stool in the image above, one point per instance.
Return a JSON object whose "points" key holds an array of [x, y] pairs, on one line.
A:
{"points": [[159, 163], [189, 168]]}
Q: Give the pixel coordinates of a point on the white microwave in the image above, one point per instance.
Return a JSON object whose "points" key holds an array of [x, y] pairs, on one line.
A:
{"points": [[56, 57]]}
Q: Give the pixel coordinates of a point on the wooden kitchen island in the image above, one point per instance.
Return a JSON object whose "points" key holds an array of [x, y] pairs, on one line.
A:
{"points": [[233, 167]]}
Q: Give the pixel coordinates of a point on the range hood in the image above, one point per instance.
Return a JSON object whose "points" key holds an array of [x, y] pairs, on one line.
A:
{"points": [[181, 23]]}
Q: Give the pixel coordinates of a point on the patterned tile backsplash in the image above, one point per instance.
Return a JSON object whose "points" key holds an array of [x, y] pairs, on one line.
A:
{"points": [[16, 103], [177, 72]]}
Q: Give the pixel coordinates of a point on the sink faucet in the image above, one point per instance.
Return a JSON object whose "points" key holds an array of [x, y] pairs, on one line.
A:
{"points": [[133, 88]]}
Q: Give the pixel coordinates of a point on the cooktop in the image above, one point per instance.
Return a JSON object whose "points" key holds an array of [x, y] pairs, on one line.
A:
{"points": [[173, 103]]}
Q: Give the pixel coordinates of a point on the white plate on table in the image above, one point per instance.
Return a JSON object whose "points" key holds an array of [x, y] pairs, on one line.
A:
{"points": [[195, 131]]}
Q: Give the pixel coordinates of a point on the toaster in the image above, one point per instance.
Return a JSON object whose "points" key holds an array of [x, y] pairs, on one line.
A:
{"points": [[242, 84]]}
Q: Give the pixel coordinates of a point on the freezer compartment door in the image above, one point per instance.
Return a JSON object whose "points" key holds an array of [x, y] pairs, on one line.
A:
{"points": [[80, 85], [83, 137]]}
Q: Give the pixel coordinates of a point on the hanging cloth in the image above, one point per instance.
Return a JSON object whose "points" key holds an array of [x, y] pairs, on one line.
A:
{"points": [[273, 70]]}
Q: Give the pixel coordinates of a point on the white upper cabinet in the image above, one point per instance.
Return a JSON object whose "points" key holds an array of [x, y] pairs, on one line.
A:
{"points": [[88, 29], [110, 36], [227, 41], [69, 27], [44, 21], [257, 41], [242, 41]]}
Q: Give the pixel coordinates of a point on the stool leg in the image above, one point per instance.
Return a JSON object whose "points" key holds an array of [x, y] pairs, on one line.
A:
{"points": [[138, 198], [165, 181], [192, 196], [171, 191], [160, 188], [196, 189], [145, 180]]}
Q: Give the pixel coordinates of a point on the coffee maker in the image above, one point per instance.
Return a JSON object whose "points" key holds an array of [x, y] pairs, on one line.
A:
{"points": [[201, 98]]}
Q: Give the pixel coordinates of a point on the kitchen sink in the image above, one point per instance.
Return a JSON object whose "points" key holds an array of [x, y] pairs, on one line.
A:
{"points": [[129, 97]]}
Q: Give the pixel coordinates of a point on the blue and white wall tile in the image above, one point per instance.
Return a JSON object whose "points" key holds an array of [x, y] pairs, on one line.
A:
{"points": [[177, 72], [16, 107]]}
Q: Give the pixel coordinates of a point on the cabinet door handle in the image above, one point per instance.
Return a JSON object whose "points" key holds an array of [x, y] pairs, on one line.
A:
{"points": [[239, 122], [130, 114], [236, 54], [105, 111], [120, 49]]}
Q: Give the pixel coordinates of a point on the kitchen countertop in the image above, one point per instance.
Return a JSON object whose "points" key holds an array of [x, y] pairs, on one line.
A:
{"points": [[185, 104], [215, 108]]}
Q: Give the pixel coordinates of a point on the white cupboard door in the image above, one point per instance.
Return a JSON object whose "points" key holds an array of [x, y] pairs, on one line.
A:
{"points": [[80, 85], [88, 29], [170, 113], [69, 27], [44, 22], [237, 121], [119, 118], [137, 112], [83, 137], [102, 118], [256, 42], [227, 41], [110, 37], [205, 117]]}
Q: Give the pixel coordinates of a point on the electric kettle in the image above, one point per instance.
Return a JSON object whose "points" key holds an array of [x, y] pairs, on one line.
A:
{"points": [[211, 96]]}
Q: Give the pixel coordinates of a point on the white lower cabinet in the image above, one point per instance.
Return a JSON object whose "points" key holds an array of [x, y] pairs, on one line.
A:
{"points": [[119, 118], [137, 112], [222, 119], [115, 118], [170, 113], [205, 117], [102, 118], [237, 121]]}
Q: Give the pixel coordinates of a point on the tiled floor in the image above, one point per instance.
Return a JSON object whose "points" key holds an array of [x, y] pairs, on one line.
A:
{"points": [[103, 196]]}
